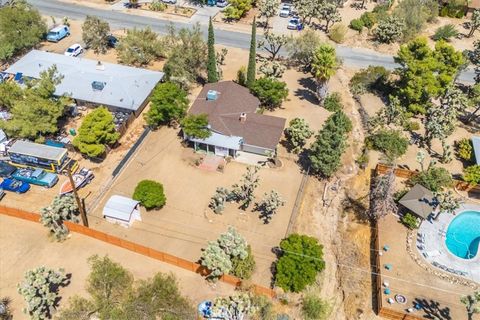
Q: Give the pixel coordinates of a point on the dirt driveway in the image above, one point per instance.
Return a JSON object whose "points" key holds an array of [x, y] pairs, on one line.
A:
{"points": [[185, 224], [24, 246]]}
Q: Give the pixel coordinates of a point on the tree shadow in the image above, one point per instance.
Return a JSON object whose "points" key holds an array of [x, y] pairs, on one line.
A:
{"points": [[357, 207], [432, 309], [308, 91]]}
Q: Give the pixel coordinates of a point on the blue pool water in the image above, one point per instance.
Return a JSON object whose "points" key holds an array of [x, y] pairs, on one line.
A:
{"points": [[463, 235]]}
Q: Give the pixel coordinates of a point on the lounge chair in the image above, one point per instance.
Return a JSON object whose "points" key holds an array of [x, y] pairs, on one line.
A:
{"points": [[431, 254]]}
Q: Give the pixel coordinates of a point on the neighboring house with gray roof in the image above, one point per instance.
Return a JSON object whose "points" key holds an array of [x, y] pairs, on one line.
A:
{"points": [[476, 148], [88, 82], [234, 124]]}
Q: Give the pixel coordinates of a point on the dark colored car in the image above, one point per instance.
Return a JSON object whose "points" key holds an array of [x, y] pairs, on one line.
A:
{"points": [[112, 41], [222, 3], [15, 185], [6, 169], [132, 5]]}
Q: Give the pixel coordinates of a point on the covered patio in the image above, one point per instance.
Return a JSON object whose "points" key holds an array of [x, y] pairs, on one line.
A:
{"points": [[420, 201]]}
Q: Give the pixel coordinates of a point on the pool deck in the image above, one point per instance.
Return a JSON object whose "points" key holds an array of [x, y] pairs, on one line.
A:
{"points": [[434, 250], [411, 276]]}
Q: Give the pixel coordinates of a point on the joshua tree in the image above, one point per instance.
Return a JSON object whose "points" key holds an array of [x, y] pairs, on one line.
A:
{"points": [[297, 134], [381, 198], [472, 304], [63, 208], [40, 290], [243, 192], [447, 201], [217, 202], [269, 205]]}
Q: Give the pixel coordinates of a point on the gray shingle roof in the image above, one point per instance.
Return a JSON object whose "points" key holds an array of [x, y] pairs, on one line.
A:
{"points": [[419, 200], [125, 87], [37, 150]]}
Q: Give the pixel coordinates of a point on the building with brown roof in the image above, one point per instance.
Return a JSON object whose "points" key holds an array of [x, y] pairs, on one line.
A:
{"points": [[234, 122]]}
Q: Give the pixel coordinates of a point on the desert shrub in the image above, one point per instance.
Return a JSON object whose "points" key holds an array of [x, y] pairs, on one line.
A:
{"points": [[410, 221], [333, 102], [157, 6], [381, 11], [390, 142], [314, 308], [242, 76], [369, 19], [445, 33], [389, 30], [243, 268], [465, 149], [411, 126], [415, 14], [373, 78], [356, 24], [434, 179], [337, 33], [471, 174], [150, 194]]}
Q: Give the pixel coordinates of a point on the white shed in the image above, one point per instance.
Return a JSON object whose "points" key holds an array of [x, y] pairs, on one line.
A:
{"points": [[122, 210]]}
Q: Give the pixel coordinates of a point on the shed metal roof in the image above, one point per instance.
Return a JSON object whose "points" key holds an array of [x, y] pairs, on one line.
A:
{"points": [[119, 207], [37, 150], [125, 87], [476, 148]]}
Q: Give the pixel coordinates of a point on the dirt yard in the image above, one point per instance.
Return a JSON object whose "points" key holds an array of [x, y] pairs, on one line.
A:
{"points": [[26, 245]]}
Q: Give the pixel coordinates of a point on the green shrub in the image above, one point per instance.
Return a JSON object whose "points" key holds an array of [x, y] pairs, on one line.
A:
{"points": [[314, 308], [242, 76], [434, 179], [369, 19], [399, 194], [356, 24], [410, 221], [243, 268], [465, 149], [374, 78], [150, 194], [381, 11], [157, 6], [445, 33], [390, 142], [271, 92], [471, 174], [411, 126], [443, 12], [333, 102], [337, 33]]}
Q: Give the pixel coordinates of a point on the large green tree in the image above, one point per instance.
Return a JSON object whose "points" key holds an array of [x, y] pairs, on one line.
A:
{"points": [[212, 74], [169, 104], [324, 66], [390, 142], [94, 34], [268, 9], [21, 28], [150, 194], [115, 295], [326, 152], [270, 91], [35, 110], [195, 126], [97, 131], [424, 73], [252, 56], [301, 259], [237, 9], [139, 47]]}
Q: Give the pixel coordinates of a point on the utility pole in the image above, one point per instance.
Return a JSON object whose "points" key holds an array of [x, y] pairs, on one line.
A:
{"points": [[80, 206]]}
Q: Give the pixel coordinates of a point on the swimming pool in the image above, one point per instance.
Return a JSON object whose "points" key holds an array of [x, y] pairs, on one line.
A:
{"points": [[463, 235]]}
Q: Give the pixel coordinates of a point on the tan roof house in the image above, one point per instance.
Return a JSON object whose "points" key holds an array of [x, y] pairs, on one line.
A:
{"points": [[234, 122]]}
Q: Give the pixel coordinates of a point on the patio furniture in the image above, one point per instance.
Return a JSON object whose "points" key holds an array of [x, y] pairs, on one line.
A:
{"points": [[386, 291], [400, 298], [386, 248], [388, 266], [390, 300], [431, 254], [386, 284]]}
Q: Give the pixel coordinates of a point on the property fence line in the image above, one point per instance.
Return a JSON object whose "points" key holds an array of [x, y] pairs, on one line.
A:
{"points": [[407, 174], [140, 249], [298, 202]]}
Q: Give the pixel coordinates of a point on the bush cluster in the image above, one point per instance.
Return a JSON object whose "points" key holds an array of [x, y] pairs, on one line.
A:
{"points": [[150, 194], [373, 78]]}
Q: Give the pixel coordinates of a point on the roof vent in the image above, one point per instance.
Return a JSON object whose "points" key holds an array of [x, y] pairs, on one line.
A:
{"points": [[243, 117], [212, 95], [98, 85]]}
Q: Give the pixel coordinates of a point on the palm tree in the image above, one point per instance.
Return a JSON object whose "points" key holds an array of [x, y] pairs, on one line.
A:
{"points": [[324, 66]]}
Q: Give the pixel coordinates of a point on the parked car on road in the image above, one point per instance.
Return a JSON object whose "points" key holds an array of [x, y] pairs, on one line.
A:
{"points": [[222, 3], [295, 24], [58, 33], [112, 41], [36, 176], [74, 50], [170, 1], [14, 185], [131, 5], [285, 10]]}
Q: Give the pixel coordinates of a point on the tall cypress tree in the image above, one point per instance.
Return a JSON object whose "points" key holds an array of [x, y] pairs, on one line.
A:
{"points": [[212, 73], [251, 58]]}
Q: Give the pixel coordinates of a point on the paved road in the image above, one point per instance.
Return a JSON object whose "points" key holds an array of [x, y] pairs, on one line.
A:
{"points": [[353, 57]]}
